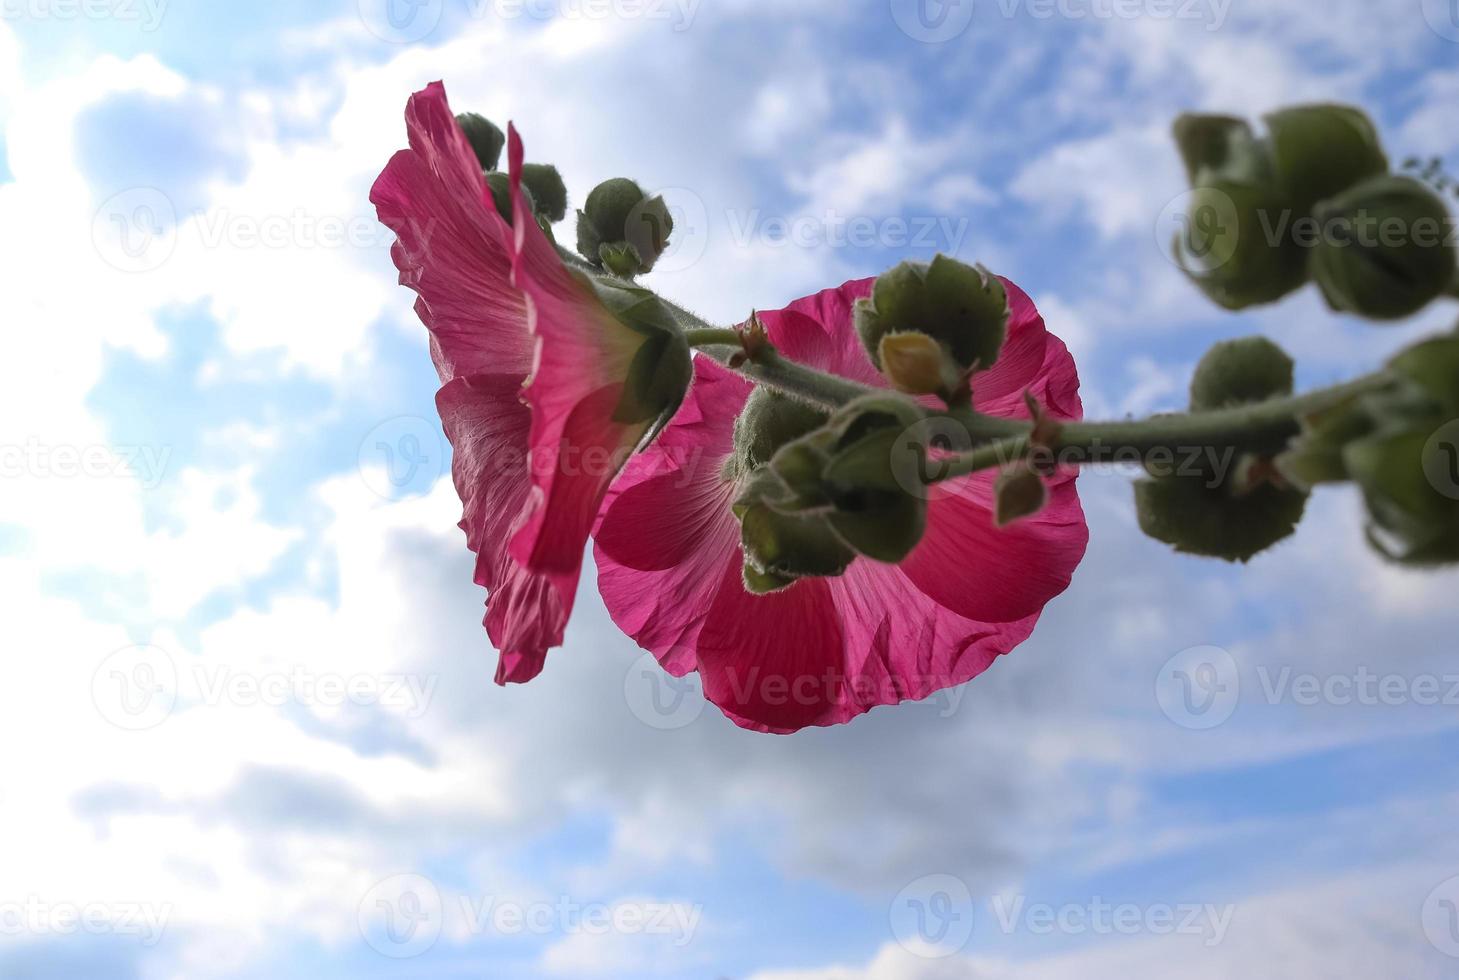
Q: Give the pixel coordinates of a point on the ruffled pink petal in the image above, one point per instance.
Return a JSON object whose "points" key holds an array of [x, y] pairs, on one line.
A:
{"points": [[773, 663], [582, 355], [452, 247], [525, 612], [667, 531]]}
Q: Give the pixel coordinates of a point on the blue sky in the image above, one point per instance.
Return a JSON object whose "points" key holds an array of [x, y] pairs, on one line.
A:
{"points": [[249, 721]]}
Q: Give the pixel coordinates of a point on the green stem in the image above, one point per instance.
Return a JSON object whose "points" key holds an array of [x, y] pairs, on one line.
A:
{"points": [[1084, 443]]}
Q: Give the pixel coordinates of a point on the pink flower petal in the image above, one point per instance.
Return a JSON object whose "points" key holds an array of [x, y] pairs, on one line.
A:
{"points": [[582, 357], [452, 247], [487, 424]]}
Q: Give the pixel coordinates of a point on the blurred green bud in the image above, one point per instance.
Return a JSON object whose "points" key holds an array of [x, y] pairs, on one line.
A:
{"points": [[1195, 518], [548, 191], [1237, 372], [1215, 147], [1432, 367], [1319, 151], [1385, 251], [1316, 456], [661, 369], [485, 139], [1410, 482], [1018, 492], [1237, 244], [622, 229], [963, 307]]}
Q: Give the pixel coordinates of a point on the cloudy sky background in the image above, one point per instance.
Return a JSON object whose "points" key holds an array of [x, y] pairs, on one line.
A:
{"points": [[248, 721]]}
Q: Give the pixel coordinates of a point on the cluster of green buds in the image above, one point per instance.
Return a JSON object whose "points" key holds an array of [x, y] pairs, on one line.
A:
{"points": [[929, 326], [1400, 445], [1313, 200], [819, 490], [622, 229], [541, 183], [1234, 504]]}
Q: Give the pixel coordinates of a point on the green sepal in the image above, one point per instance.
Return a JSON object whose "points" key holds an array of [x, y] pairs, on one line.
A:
{"points": [[965, 307], [1320, 151], [1198, 519]]}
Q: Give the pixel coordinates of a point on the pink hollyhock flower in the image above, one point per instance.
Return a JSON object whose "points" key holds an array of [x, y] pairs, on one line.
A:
{"points": [[534, 369], [828, 649]]}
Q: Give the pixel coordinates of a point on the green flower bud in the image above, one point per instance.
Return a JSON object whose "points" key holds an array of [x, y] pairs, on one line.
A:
{"points": [[962, 306], [1237, 244], [1214, 147], [871, 508], [780, 546], [486, 140], [1432, 366], [1237, 372], [768, 421], [918, 365], [1385, 252], [661, 369], [548, 190], [1316, 456], [1237, 512], [1410, 481], [500, 186], [1018, 492], [622, 229], [1319, 151], [1195, 518]]}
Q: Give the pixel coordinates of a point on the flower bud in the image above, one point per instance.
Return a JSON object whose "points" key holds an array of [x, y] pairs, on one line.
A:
{"points": [[486, 140], [781, 547], [964, 307], [1018, 492], [500, 186], [769, 421], [661, 369], [622, 229], [1432, 367], [918, 365], [1385, 252], [1216, 146], [549, 193], [1319, 151], [1237, 372], [871, 508], [1411, 521], [1195, 518], [1237, 244]]}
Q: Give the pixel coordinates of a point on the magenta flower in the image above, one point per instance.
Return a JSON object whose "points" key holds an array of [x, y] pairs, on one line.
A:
{"points": [[828, 649], [532, 458]]}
